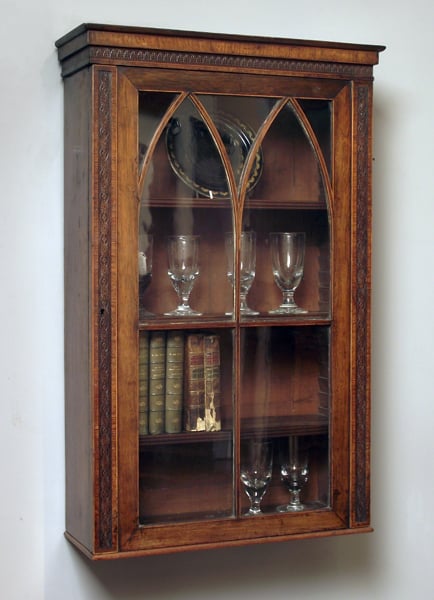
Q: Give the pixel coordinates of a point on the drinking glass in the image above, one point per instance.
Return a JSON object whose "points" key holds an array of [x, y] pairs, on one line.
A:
{"points": [[287, 256], [247, 266], [145, 268], [256, 471], [183, 269], [294, 473]]}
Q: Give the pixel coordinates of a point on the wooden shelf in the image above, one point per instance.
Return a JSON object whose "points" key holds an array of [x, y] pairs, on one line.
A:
{"points": [[274, 427], [202, 322], [271, 428], [185, 437], [222, 321], [251, 203]]}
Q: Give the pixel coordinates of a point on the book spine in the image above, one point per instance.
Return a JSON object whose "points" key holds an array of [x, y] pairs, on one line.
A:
{"points": [[174, 381], [157, 377], [212, 383], [194, 386], [143, 382]]}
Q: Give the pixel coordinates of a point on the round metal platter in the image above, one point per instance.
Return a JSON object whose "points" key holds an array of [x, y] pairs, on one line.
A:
{"points": [[195, 158]]}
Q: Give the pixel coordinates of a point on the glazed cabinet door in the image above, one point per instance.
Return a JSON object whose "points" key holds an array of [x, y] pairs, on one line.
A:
{"points": [[234, 217]]}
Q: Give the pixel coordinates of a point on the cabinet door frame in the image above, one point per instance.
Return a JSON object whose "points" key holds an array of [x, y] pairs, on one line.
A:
{"points": [[350, 311]]}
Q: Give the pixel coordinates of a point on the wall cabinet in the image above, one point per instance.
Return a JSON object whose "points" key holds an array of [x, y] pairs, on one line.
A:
{"points": [[217, 273]]}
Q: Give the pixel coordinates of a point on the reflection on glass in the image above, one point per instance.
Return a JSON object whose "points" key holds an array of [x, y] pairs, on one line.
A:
{"points": [[145, 268], [256, 471], [183, 269], [319, 115], [247, 267], [287, 256], [152, 108]]}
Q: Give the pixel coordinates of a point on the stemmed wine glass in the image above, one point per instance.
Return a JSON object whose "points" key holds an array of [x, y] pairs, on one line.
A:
{"points": [[287, 256], [256, 471], [294, 473], [183, 269], [145, 268], [247, 266]]}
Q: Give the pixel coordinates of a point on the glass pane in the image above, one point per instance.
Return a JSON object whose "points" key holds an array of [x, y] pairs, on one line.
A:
{"points": [[291, 174], [152, 107], [185, 361], [318, 113], [238, 120], [290, 198], [285, 404], [186, 452], [194, 182], [312, 293], [173, 202], [285, 339]]}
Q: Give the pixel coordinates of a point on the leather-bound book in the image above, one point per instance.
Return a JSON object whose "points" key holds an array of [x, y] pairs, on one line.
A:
{"points": [[157, 378], [212, 383], [194, 383], [174, 381]]}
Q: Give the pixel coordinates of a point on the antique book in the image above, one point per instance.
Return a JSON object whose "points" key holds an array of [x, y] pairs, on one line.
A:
{"points": [[143, 382], [174, 381], [194, 383], [212, 383], [157, 377]]}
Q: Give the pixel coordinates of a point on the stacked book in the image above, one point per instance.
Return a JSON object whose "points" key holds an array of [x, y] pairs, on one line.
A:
{"points": [[179, 382]]}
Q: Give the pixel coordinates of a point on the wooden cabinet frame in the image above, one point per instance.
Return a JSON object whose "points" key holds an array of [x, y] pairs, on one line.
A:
{"points": [[104, 68]]}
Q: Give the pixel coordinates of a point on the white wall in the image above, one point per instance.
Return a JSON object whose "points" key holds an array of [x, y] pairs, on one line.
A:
{"points": [[395, 562]]}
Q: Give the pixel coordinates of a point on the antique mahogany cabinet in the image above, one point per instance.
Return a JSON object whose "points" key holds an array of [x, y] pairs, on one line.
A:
{"points": [[191, 160]]}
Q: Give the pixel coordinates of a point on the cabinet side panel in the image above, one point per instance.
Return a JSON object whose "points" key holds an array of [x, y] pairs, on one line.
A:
{"points": [[104, 304], [361, 322], [78, 410]]}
